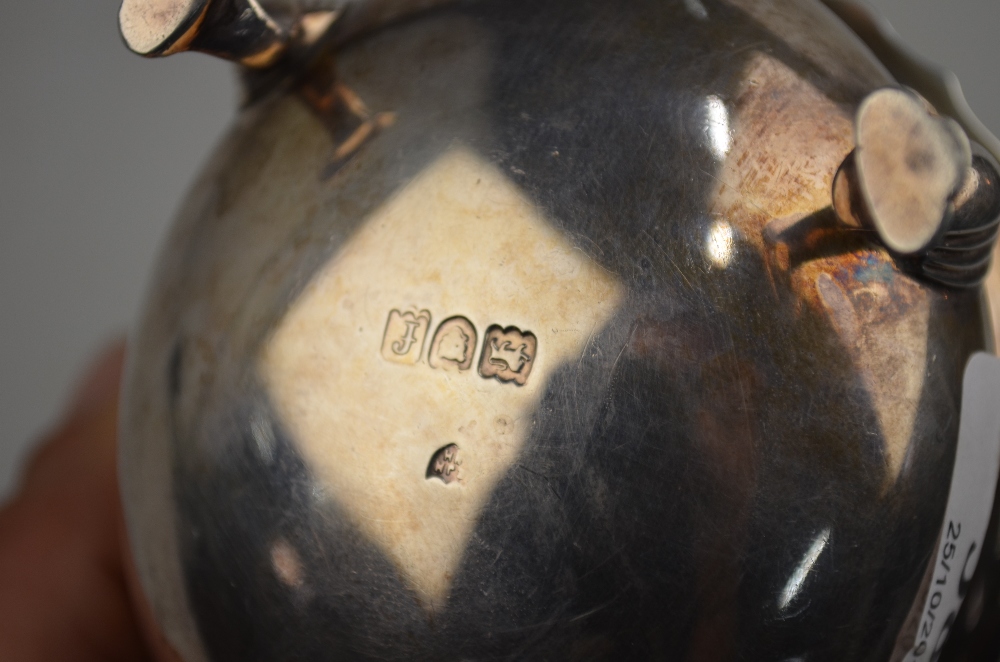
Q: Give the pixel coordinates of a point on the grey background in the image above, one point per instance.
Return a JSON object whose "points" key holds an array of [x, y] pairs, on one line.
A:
{"points": [[97, 147]]}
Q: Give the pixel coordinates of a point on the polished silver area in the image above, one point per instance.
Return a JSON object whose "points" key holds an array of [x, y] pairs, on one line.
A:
{"points": [[527, 330]]}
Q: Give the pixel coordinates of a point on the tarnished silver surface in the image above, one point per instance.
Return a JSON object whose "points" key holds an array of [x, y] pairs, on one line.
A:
{"points": [[528, 331], [914, 178], [254, 33], [935, 83]]}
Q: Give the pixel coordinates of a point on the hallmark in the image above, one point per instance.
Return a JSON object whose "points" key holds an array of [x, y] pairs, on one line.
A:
{"points": [[508, 354], [446, 465], [454, 345], [404, 336]]}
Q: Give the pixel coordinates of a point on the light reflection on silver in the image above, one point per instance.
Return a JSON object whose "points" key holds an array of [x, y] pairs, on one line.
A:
{"points": [[318, 493], [805, 566], [263, 436], [720, 244], [696, 9], [717, 126]]}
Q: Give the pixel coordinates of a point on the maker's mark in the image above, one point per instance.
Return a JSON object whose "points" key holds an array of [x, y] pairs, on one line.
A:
{"points": [[446, 465]]}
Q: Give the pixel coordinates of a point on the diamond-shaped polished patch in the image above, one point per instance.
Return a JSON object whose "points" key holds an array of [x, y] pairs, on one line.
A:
{"points": [[462, 244]]}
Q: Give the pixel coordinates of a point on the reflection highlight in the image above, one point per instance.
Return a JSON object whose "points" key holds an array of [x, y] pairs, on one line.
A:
{"points": [[696, 9], [717, 126], [805, 566], [720, 244]]}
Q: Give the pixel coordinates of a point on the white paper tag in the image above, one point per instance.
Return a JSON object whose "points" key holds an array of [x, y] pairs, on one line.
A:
{"points": [[970, 501]]}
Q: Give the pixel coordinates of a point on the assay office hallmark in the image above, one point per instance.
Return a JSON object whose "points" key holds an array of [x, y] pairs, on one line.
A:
{"points": [[507, 354]]}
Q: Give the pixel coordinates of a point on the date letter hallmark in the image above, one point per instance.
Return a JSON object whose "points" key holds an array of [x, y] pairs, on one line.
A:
{"points": [[404, 336], [454, 345], [508, 354]]}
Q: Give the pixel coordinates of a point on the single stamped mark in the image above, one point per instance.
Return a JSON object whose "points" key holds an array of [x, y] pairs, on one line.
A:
{"points": [[404, 336], [446, 465], [454, 345], [508, 354]]}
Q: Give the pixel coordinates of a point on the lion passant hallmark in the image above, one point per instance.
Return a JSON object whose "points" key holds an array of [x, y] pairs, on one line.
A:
{"points": [[508, 354]]}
